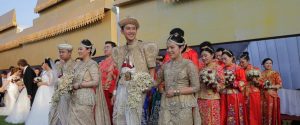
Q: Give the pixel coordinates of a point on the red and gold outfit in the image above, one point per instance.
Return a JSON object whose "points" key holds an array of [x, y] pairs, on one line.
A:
{"points": [[253, 99], [233, 108], [189, 54], [209, 98], [109, 74], [271, 100]]}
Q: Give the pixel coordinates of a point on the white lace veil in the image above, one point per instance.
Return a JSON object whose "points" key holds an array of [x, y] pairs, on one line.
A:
{"points": [[54, 73]]}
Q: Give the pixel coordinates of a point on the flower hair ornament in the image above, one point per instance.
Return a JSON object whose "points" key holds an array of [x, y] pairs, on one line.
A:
{"points": [[176, 35], [227, 51], [93, 49], [206, 47]]}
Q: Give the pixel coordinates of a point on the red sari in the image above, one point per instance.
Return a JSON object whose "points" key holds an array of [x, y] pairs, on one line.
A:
{"points": [[271, 100], [189, 54], [233, 108], [253, 100], [109, 73], [209, 99]]}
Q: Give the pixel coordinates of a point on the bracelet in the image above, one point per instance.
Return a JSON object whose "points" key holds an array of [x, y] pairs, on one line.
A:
{"points": [[176, 92], [114, 92]]}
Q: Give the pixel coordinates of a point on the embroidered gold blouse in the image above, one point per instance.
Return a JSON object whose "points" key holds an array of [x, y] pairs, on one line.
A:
{"points": [[88, 73], [142, 55], [176, 75]]}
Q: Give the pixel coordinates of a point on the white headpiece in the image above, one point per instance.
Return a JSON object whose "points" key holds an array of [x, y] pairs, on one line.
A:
{"points": [[65, 46], [93, 49], [176, 35]]}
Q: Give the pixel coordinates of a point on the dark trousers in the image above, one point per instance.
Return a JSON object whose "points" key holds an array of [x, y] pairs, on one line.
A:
{"points": [[32, 99], [1, 98]]}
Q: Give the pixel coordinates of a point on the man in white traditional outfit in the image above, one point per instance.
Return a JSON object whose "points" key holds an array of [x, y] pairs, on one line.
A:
{"points": [[136, 56], [58, 113]]}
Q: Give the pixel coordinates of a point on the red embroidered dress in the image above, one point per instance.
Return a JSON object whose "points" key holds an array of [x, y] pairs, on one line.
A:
{"points": [[209, 98], [253, 99], [109, 74], [233, 109], [271, 100]]}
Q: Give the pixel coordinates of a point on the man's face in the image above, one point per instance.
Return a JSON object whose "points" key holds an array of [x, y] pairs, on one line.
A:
{"points": [[108, 49], [129, 31], [21, 67], [64, 54]]}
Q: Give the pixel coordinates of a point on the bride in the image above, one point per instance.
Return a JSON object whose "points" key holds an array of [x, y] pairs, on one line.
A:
{"points": [[21, 108], [41, 105], [12, 92]]}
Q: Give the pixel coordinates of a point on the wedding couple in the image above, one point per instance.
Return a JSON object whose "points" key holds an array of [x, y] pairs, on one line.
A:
{"points": [[84, 106], [36, 95]]}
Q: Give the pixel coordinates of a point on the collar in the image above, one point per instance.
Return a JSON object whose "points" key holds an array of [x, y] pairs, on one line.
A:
{"points": [[25, 69]]}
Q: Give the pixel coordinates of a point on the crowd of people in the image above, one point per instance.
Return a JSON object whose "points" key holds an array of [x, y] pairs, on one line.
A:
{"points": [[182, 89]]}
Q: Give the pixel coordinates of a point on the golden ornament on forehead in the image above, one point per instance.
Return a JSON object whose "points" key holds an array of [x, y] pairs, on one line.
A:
{"points": [[227, 51], [176, 35], [206, 47]]}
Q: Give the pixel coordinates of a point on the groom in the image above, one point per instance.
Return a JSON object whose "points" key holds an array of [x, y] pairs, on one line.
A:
{"points": [[28, 76], [59, 113]]}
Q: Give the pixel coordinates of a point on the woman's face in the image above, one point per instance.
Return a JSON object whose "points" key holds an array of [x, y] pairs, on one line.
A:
{"points": [[83, 52], [44, 66], [37, 71], [19, 72], [268, 65], [244, 63], [227, 60], [173, 50], [206, 57]]}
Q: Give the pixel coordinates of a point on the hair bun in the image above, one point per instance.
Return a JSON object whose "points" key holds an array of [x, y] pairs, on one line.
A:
{"points": [[245, 53], [205, 44], [178, 31]]}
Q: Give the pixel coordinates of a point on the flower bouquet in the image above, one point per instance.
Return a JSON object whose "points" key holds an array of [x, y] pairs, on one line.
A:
{"points": [[37, 79], [208, 77], [64, 87], [229, 78], [254, 73], [140, 82], [15, 79], [267, 84]]}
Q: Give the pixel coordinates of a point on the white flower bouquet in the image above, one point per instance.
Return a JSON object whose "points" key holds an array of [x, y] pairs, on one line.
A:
{"points": [[229, 78], [15, 79], [64, 87], [253, 73], [37, 79], [267, 84], [209, 78], [140, 82]]}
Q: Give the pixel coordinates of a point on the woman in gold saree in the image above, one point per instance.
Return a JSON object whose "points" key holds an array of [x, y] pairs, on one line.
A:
{"points": [[178, 103], [83, 98]]}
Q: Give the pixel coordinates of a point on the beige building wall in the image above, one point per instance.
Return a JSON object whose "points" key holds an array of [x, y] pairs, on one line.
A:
{"points": [[214, 20], [36, 51]]}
